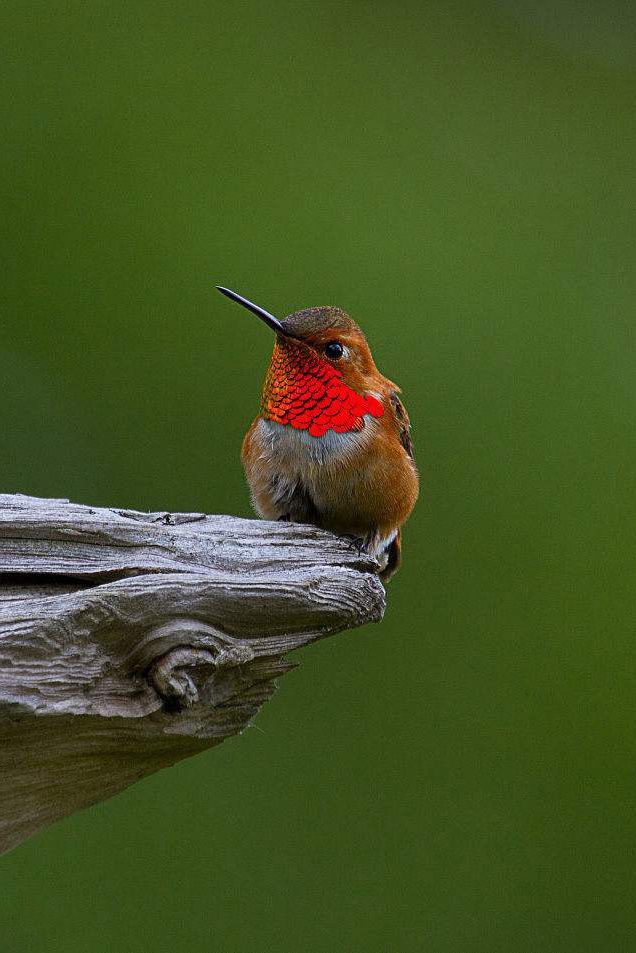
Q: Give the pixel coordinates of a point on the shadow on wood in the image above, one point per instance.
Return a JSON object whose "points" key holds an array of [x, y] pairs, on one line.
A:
{"points": [[129, 641]]}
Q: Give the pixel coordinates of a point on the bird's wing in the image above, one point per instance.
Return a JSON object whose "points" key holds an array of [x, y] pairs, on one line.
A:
{"points": [[403, 423]]}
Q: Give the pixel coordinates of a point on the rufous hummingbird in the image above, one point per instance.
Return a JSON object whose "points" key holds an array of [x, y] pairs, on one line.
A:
{"points": [[332, 444]]}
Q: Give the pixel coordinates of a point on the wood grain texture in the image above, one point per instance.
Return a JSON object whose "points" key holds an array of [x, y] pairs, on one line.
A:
{"points": [[129, 640]]}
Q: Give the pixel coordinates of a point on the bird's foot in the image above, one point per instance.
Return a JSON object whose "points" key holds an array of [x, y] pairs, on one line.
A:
{"points": [[359, 544]]}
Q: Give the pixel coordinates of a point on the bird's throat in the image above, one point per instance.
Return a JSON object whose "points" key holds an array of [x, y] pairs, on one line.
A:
{"points": [[307, 392]]}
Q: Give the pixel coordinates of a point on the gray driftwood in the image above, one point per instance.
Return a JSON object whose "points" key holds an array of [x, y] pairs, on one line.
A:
{"points": [[131, 640]]}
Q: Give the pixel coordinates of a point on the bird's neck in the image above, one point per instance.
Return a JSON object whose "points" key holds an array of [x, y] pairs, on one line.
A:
{"points": [[306, 392]]}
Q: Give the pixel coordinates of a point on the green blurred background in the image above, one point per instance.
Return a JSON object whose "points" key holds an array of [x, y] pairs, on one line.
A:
{"points": [[460, 177]]}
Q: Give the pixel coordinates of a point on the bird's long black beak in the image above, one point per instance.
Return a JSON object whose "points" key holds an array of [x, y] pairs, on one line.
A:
{"points": [[261, 313]]}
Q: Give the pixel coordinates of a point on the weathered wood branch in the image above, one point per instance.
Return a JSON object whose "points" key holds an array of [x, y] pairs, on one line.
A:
{"points": [[129, 641]]}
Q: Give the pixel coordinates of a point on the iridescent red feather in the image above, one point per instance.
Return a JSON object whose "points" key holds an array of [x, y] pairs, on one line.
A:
{"points": [[306, 392]]}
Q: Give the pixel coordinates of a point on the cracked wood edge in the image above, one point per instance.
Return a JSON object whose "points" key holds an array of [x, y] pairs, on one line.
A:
{"points": [[131, 640]]}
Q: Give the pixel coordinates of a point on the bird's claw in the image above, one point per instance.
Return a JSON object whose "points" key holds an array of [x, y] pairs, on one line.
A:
{"points": [[358, 544]]}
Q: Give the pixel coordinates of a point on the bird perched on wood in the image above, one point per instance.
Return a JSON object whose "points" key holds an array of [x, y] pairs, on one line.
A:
{"points": [[331, 445]]}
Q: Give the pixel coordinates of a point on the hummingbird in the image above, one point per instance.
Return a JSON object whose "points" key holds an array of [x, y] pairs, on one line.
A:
{"points": [[331, 444]]}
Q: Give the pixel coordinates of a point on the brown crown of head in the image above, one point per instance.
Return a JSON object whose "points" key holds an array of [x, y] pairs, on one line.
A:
{"points": [[311, 321]]}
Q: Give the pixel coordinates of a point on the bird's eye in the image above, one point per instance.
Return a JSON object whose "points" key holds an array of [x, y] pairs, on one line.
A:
{"points": [[334, 350]]}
